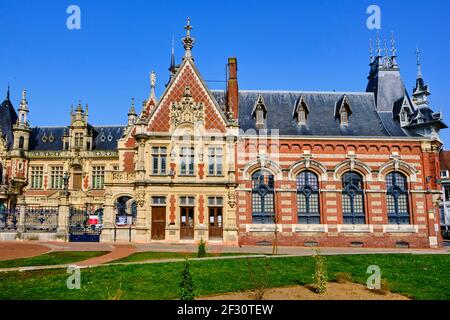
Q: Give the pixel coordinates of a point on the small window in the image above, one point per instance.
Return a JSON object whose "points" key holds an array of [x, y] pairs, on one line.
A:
{"points": [[37, 175], [98, 177], [187, 161], [56, 177], [159, 160], [79, 140], [187, 201], [159, 201], [215, 161], [444, 174], [215, 201], [344, 117]]}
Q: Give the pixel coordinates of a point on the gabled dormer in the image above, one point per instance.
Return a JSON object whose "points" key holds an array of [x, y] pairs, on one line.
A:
{"points": [[259, 113], [343, 111], [403, 109], [301, 111]]}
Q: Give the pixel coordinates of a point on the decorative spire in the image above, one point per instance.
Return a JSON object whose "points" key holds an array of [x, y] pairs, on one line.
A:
{"points": [[132, 108], [172, 59], [419, 66], [393, 48], [378, 45], [24, 102], [188, 42], [152, 85], [371, 50], [386, 51], [79, 107], [7, 93]]}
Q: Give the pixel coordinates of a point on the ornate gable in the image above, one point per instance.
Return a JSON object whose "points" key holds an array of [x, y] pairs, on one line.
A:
{"points": [[187, 96]]}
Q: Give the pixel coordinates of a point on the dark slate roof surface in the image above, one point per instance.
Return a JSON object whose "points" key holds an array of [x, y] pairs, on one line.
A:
{"points": [[8, 117], [105, 138], [364, 121]]}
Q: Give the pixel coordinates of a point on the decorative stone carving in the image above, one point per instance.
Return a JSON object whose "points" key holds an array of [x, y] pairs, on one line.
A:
{"points": [[187, 111], [232, 198], [140, 199]]}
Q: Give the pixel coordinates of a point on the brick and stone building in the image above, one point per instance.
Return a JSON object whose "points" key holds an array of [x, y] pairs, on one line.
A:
{"points": [[233, 166]]}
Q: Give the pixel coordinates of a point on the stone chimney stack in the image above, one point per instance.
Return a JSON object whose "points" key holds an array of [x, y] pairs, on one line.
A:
{"points": [[233, 89]]}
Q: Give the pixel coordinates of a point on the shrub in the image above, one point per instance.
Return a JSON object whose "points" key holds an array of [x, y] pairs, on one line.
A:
{"points": [[259, 278], [384, 287], [343, 277], [186, 286], [201, 249], [320, 277]]}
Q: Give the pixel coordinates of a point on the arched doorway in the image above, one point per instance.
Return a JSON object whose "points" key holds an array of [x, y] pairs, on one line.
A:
{"points": [[125, 209]]}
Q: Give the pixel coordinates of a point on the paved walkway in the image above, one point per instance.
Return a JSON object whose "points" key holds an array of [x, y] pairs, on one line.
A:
{"points": [[20, 250], [119, 252]]}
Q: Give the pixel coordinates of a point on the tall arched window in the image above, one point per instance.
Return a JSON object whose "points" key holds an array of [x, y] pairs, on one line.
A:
{"points": [[397, 199], [353, 199], [308, 198], [263, 197]]}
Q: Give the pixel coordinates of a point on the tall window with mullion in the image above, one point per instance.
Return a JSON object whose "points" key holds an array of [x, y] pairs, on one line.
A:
{"points": [[37, 177], [56, 177], [159, 159], [353, 199], [263, 197], [308, 198], [98, 177], [397, 199], [187, 161], [215, 161]]}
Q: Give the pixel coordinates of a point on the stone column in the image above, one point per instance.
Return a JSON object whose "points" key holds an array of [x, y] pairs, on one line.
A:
{"points": [[21, 221], [62, 232], [108, 220]]}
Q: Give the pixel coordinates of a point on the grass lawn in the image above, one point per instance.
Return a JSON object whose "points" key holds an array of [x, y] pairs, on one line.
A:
{"points": [[417, 276], [146, 256], [50, 259]]}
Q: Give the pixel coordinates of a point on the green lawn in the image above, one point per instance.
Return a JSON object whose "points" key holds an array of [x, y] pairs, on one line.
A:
{"points": [[147, 256], [417, 276], [52, 258]]}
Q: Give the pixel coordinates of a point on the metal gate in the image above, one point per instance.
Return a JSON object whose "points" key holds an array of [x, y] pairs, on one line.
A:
{"points": [[81, 226], [8, 220]]}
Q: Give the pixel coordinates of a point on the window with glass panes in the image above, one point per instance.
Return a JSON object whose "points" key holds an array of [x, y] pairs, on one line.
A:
{"points": [[37, 177], [263, 197], [159, 160], [98, 177], [56, 177], [187, 161], [397, 198], [308, 198], [215, 161], [78, 140], [353, 199]]}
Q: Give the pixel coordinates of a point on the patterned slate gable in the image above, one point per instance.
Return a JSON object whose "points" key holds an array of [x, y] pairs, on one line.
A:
{"points": [[187, 77]]}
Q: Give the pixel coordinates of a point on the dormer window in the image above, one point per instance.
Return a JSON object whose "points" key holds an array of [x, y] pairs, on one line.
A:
{"points": [[260, 113], [404, 118], [301, 112], [78, 140], [343, 111]]}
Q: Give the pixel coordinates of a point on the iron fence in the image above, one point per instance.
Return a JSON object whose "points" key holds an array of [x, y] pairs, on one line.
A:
{"points": [[9, 219], [39, 219]]}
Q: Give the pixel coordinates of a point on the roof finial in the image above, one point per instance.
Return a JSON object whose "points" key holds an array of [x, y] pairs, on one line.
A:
{"points": [[7, 93], [371, 50], [188, 42], [378, 44], [393, 48], [386, 50], [172, 58], [152, 84], [132, 110], [419, 66]]}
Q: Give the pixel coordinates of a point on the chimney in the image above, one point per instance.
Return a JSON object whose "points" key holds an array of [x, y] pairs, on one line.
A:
{"points": [[232, 88]]}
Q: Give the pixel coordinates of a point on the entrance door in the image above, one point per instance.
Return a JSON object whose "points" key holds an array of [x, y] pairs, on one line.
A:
{"points": [[77, 180], [158, 223], [215, 223], [187, 223]]}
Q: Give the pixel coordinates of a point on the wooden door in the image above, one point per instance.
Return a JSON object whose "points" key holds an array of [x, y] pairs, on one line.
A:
{"points": [[158, 223], [77, 178], [187, 223], [215, 223]]}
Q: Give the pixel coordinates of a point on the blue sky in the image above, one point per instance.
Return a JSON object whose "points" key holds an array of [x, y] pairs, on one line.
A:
{"points": [[280, 45]]}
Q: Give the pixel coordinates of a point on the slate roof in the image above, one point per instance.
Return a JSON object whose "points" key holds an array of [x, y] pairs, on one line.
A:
{"points": [[364, 121], [8, 117], [105, 138]]}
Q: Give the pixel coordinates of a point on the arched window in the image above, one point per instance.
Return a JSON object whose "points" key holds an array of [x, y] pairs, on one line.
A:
{"points": [[308, 198], [397, 198], [353, 199], [126, 211], [21, 142], [263, 197]]}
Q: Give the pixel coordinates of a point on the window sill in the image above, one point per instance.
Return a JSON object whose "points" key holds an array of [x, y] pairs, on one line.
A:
{"points": [[400, 228], [309, 228], [187, 175], [263, 228], [215, 176], [355, 228]]}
